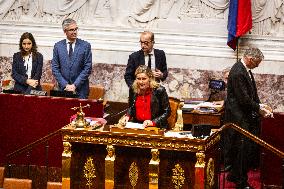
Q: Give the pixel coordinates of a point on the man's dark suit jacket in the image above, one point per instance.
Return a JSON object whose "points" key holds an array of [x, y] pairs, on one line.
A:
{"points": [[19, 72], [242, 103], [75, 70], [137, 58], [241, 108]]}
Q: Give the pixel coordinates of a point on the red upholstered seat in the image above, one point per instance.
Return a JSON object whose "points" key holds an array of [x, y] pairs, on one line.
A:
{"points": [[15, 183], [54, 185], [96, 92], [2, 169], [174, 104]]}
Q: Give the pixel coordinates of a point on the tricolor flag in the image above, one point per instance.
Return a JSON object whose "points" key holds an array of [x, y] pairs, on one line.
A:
{"points": [[239, 20]]}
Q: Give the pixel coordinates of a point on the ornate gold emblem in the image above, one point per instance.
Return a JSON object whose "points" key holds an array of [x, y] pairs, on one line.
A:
{"points": [[178, 176], [89, 171], [200, 159], [66, 149], [210, 173], [110, 152], [133, 174]]}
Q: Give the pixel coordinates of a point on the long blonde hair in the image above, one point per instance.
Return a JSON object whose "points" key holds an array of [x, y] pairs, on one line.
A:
{"points": [[146, 70]]}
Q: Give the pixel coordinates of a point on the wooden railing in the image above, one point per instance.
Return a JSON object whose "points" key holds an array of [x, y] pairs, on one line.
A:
{"points": [[254, 138], [29, 148], [258, 141]]}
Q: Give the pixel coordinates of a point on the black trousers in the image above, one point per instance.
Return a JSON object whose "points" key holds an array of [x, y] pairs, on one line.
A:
{"points": [[241, 152]]}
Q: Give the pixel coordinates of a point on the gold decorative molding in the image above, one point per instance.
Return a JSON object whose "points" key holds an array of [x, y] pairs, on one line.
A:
{"points": [[154, 169], [66, 164], [109, 167], [66, 149], [110, 153], [185, 145], [213, 141], [178, 177], [210, 171], [200, 156], [133, 174], [89, 171]]}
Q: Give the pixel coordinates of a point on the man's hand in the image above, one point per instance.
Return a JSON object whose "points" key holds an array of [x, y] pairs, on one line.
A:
{"points": [[70, 88], [158, 74], [32, 82], [265, 111]]}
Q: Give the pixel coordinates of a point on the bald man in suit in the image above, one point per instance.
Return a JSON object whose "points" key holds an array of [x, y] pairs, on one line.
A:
{"points": [[158, 59], [72, 61]]}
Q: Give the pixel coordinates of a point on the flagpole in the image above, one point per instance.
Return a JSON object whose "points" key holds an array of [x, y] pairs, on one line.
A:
{"points": [[237, 45]]}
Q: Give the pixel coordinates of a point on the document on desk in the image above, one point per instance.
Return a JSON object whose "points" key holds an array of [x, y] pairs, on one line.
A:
{"points": [[189, 107], [132, 125], [210, 107]]}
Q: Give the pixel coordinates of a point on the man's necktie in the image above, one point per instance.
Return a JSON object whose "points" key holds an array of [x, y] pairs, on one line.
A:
{"points": [[149, 61], [253, 83], [70, 49], [251, 76]]}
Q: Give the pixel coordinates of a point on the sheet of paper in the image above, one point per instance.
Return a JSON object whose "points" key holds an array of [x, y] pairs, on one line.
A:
{"points": [[189, 106], [132, 125], [210, 104]]}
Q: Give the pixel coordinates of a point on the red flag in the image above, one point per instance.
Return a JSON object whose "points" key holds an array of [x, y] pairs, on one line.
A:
{"points": [[239, 20]]}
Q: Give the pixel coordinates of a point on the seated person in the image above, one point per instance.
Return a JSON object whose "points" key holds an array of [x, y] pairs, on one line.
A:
{"points": [[27, 65], [150, 103]]}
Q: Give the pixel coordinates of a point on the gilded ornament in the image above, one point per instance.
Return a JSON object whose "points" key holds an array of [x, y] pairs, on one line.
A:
{"points": [[178, 177], [89, 171], [133, 174], [210, 173], [200, 159]]}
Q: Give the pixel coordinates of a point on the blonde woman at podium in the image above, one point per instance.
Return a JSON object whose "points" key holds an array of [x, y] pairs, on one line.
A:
{"points": [[150, 103]]}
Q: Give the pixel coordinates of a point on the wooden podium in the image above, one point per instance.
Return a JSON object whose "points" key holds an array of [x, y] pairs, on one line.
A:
{"points": [[105, 159]]}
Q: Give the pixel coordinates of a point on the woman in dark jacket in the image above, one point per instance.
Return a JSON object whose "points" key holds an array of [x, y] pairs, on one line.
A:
{"points": [[27, 65], [150, 103]]}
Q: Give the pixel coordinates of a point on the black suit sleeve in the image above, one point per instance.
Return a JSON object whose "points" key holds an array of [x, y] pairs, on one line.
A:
{"points": [[130, 71], [241, 90], [161, 108], [18, 70], [39, 64], [162, 63]]}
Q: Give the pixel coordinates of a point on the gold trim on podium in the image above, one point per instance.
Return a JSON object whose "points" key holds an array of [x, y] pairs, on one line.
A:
{"points": [[178, 177], [154, 169], [133, 174], [199, 169], [89, 171], [210, 173], [109, 167], [66, 163]]}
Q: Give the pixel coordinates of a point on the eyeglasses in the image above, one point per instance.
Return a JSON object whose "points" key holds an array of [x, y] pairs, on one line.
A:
{"points": [[145, 42], [255, 61], [73, 30]]}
